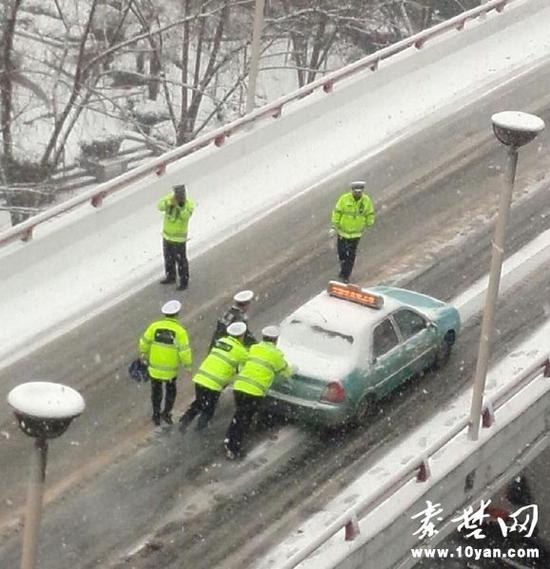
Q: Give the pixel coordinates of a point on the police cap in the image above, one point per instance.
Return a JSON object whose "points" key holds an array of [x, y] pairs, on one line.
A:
{"points": [[271, 332], [179, 190], [236, 329], [357, 186], [171, 307], [243, 297]]}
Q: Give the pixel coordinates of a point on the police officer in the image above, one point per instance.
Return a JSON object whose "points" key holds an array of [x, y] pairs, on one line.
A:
{"points": [[165, 346], [215, 374], [265, 360], [353, 212], [237, 313], [177, 208]]}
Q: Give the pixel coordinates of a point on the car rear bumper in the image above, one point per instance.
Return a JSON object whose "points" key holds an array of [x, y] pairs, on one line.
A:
{"points": [[313, 412]]}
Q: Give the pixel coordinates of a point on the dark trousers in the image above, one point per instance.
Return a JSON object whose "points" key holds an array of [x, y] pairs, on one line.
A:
{"points": [[205, 403], [347, 249], [175, 256], [156, 395], [246, 406]]}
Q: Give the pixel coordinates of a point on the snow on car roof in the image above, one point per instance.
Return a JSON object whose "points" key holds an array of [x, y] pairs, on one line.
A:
{"points": [[342, 315]]}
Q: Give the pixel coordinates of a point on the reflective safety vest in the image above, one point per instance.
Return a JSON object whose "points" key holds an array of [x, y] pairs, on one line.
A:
{"points": [[176, 218], [221, 364], [351, 216], [264, 362], [166, 346]]}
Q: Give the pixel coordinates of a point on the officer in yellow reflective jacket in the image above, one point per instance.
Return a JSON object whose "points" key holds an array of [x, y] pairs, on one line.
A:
{"points": [[352, 213], [165, 346], [263, 363], [177, 208], [214, 374]]}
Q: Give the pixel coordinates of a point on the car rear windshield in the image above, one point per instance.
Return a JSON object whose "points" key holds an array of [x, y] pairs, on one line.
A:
{"points": [[316, 338]]}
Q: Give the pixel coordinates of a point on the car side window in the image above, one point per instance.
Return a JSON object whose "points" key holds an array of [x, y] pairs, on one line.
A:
{"points": [[409, 322], [384, 338]]}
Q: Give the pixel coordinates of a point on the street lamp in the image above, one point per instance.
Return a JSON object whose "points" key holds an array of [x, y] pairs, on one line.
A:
{"points": [[255, 54], [514, 129], [44, 410]]}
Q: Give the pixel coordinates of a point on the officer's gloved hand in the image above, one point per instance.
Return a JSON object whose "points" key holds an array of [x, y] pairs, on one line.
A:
{"points": [[332, 232]]}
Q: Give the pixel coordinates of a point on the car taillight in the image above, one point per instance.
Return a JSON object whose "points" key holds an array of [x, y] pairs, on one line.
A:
{"points": [[334, 393]]}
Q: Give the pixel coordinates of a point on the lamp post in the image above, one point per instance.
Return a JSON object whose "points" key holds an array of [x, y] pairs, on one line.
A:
{"points": [[513, 129], [44, 410], [255, 54]]}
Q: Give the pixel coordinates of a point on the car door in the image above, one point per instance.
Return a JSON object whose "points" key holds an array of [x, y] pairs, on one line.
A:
{"points": [[418, 336], [388, 358]]}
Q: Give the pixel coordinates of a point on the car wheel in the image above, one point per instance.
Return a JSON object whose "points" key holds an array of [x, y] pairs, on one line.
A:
{"points": [[365, 411], [443, 352]]}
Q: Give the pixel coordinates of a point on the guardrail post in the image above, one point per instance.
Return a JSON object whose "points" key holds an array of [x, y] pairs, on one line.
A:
{"points": [[97, 200], [546, 372], [423, 470], [352, 528], [161, 169], [460, 25], [27, 235], [219, 139], [419, 43], [487, 415], [327, 87], [374, 65], [277, 113], [500, 6]]}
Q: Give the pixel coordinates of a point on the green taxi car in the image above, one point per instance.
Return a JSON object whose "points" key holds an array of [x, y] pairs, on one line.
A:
{"points": [[351, 347]]}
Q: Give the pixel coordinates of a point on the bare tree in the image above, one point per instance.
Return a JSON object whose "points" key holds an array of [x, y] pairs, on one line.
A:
{"points": [[9, 14], [312, 28], [86, 76]]}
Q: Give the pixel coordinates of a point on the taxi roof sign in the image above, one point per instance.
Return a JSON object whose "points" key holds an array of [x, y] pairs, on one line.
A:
{"points": [[356, 294]]}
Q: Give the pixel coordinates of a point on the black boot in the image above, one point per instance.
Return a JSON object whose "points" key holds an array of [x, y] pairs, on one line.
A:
{"points": [[185, 421]]}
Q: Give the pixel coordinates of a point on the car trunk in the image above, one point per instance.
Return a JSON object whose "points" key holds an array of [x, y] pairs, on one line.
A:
{"points": [[300, 386]]}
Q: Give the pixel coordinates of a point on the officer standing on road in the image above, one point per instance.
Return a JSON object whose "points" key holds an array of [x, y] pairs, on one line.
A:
{"points": [[237, 313], [353, 212], [265, 360], [215, 374], [177, 208], [164, 346]]}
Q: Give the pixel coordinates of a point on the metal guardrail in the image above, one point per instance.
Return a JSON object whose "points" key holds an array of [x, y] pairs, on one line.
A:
{"points": [[418, 469], [158, 166]]}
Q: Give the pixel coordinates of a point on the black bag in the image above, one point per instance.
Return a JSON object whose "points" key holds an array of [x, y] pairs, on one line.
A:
{"points": [[137, 371]]}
